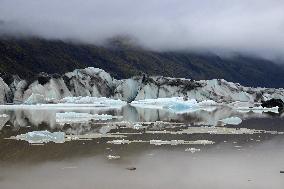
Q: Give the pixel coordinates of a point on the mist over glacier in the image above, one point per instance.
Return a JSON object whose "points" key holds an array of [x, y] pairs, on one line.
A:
{"points": [[253, 27]]}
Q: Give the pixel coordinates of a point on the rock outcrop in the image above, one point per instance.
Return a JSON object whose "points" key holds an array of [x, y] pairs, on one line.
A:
{"points": [[96, 82], [273, 103]]}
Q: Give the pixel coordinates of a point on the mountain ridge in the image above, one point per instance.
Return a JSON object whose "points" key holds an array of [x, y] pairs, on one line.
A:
{"points": [[27, 57]]}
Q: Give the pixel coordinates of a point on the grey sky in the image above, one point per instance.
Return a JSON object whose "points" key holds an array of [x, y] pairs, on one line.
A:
{"points": [[222, 26]]}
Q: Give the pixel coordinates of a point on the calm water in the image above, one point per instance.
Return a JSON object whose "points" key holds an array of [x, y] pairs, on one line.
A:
{"points": [[143, 148]]}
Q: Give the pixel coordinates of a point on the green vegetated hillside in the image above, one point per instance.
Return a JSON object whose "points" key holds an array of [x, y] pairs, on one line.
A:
{"points": [[27, 57]]}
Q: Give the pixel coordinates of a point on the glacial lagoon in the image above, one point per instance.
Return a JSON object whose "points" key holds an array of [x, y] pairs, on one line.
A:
{"points": [[136, 147]]}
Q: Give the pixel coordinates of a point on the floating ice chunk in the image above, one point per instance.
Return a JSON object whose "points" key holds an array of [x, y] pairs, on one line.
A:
{"points": [[192, 150], [94, 101], [232, 120], [238, 146], [91, 136], [178, 142], [162, 142], [208, 103], [123, 141], [137, 126], [74, 117], [41, 137], [258, 109], [170, 142], [111, 157], [159, 142], [215, 130], [202, 142], [175, 104]]}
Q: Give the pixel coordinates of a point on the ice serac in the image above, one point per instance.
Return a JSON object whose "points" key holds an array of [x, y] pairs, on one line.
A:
{"points": [[49, 90], [95, 82], [90, 81], [127, 89], [5, 92]]}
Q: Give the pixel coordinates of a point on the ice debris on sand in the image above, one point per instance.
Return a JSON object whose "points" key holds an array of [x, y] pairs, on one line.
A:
{"points": [[36, 137]]}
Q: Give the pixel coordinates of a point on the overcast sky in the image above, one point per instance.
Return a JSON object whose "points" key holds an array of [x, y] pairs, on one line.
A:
{"points": [[223, 26]]}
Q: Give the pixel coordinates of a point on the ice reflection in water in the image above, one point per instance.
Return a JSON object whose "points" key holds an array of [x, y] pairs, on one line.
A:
{"points": [[168, 150]]}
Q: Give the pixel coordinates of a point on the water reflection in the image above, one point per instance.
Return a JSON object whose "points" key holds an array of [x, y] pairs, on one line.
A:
{"points": [[36, 117], [156, 145]]}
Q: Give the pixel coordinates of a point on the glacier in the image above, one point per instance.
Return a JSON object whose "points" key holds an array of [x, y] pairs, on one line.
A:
{"points": [[81, 85]]}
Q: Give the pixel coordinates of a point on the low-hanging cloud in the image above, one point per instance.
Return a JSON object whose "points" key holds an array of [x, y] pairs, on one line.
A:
{"points": [[221, 26]]}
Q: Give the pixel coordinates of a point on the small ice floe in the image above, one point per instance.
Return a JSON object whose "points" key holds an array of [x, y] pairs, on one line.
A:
{"points": [[232, 121], [168, 142], [176, 104], [162, 142], [238, 146], [192, 150], [215, 130], [91, 136], [179, 142], [112, 157], [202, 142], [123, 141], [39, 137], [74, 117]]}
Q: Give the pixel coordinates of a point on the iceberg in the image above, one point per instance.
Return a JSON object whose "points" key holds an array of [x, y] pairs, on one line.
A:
{"points": [[176, 104], [232, 120]]}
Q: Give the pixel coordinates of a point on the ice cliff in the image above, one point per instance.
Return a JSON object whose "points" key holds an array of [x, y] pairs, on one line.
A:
{"points": [[95, 82]]}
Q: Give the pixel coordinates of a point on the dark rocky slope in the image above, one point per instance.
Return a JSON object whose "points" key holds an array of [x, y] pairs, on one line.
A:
{"points": [[28, 57]]}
